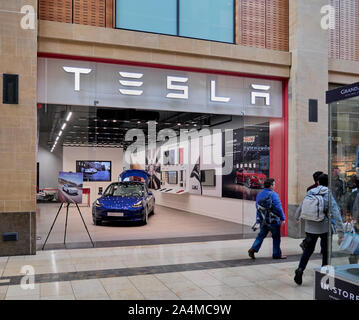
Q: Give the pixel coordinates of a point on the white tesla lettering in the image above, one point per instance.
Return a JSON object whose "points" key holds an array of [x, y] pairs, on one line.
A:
{"points": [[131, 83], [171, 86], [77, 72], [213, 94], [256, 94]]}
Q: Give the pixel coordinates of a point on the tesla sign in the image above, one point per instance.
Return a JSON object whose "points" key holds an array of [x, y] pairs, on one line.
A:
{"points": [[82, 83]]}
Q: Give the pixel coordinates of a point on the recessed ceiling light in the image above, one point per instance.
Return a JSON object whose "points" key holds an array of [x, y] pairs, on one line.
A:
{"points": [[63, 126], [69, 116], [114, 120]]}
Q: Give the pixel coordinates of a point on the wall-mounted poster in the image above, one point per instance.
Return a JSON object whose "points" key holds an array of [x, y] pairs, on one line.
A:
{"points": [[195, 179], [153, 168], [180, 155], [94, 170], [172, 157], [70, 187], [250, 162]]}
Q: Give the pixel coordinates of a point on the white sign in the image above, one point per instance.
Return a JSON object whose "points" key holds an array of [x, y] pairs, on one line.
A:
{"points": [[112, 85]]}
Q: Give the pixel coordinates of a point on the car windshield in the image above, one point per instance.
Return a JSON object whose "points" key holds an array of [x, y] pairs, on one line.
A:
{"points": [[124, 190]]}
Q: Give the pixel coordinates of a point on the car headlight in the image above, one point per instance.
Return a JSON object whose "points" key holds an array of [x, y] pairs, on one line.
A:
{"points": [[137, 204], [98, 204]]}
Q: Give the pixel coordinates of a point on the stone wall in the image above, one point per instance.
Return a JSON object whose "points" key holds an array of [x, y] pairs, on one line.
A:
{"points": [[18, 55], [308, 141]]}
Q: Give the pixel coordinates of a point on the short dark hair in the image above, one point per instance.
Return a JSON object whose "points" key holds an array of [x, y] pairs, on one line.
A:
{"points": [[268, 183], [316, 175], [323, 180]]}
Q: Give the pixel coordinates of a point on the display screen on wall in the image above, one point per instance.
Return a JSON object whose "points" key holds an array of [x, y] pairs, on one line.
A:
{"points": [[250, 162], [172, 177], [208, 178], [94, 170]]}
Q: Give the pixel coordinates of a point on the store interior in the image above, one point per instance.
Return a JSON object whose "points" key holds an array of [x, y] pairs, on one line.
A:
{"points": [[197, 198]]}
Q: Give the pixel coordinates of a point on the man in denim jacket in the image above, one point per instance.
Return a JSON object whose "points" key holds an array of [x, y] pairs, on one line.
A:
{"points": [[274, 228], [315, 230]]}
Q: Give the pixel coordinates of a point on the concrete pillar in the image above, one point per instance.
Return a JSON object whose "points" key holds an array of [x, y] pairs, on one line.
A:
{"points": [[308, 141], [18, 55]]}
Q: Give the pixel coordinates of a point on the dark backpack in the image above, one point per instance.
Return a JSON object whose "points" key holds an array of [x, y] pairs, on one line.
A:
{"points": [[265, 211]]}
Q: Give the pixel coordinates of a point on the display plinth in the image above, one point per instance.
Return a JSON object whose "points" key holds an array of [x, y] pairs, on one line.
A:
{"points": [[346, 284], [179, 191]]}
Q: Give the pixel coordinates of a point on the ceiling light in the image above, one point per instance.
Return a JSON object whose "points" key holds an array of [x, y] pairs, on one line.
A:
{"points": [[63, 126], [178, 123], [104, 120], [69, 116], [114, 120], [60, 133], [57, 138]]}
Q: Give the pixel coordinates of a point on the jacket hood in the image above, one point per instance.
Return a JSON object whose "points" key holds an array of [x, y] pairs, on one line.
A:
{"points": [[319, 190]]}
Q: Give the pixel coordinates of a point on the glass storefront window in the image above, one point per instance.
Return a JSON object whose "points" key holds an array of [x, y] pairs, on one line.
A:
{"points": [[207, 19], [201, 19], [344, 180], [158, 16]]}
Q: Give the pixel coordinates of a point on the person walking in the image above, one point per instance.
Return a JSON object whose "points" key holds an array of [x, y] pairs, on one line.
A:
{"points": [[273, 225], [318, 229], [316, 175]]}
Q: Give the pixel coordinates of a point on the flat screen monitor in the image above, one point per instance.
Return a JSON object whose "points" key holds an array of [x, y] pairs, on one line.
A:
{"points": [[208, 178], [172, 177], [94, 170]]}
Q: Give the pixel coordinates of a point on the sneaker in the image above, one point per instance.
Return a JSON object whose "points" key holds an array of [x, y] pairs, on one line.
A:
{"points": [[298, 276], [251, 253]]}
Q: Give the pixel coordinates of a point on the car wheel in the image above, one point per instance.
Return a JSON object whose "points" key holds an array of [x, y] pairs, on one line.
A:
{"points": [[248, 183], [97, 222]]}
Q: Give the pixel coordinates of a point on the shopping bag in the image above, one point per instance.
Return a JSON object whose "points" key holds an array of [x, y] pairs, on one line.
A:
{"points": [[350, 243]]}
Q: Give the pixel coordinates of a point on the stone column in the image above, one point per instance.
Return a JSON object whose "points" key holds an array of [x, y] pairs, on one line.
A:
{"points": [[18, 122], [308, 141]]}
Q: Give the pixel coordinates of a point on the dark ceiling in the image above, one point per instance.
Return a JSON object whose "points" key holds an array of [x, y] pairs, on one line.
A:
{"points": [[105, 127]]}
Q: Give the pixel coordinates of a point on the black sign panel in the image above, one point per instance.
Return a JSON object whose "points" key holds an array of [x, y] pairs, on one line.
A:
{"points": [[342, 290], [342, 93]]}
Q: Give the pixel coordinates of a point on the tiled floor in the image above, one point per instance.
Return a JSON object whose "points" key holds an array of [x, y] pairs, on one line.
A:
{"points": [[107, 279], [161, 225]]}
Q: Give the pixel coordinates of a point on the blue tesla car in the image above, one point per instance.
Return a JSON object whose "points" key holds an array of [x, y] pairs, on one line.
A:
{"points": [[125, 200]]}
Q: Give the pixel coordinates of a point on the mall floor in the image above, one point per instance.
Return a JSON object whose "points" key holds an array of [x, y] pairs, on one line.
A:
{"points": [[165, 226], [211, 270]]}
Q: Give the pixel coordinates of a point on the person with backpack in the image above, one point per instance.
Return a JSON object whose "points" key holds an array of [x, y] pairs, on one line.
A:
{"points": [[316, 175], [270, 216], [314, 210]]}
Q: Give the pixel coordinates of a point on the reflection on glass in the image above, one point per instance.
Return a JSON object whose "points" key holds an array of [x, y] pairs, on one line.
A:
{"points": [[344, 182]]}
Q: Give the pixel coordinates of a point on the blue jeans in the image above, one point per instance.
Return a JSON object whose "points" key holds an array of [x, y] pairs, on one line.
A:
{"points": [[275, 230]]}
